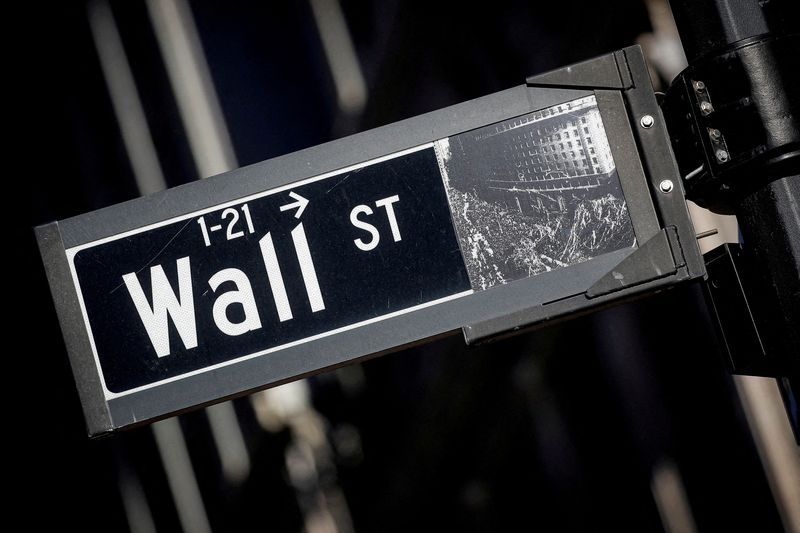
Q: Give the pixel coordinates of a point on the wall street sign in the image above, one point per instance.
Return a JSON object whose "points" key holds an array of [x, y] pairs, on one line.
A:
{"points": [[488, 216]]}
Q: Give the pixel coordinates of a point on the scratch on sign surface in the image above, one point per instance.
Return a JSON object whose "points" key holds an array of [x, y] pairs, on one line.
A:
{"points": [[157, 253]]}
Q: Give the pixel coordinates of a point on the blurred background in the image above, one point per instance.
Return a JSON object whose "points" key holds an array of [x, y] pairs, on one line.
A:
{"points": [[622, 420]]}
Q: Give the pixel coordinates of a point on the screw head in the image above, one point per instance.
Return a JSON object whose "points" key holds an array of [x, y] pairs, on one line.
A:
{"points": [[706, 108], [715, 134], [666, 186], [699, 86], [722, 156], [647, 121]]}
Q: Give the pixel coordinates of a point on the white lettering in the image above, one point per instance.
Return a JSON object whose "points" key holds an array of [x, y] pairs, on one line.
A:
{"points": [[165, 304], [386, 203], [307, 268], [275, 278], [373, 242], [243, 295]]}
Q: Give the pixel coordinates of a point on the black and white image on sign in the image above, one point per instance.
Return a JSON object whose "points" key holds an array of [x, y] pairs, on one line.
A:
{"points": [[534, 193]]}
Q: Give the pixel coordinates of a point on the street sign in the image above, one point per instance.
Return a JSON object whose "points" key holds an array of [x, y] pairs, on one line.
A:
{"points": [[487, 217], [244, 279]]}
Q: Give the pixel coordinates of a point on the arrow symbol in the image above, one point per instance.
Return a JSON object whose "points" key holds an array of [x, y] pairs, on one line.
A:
{"points": [[301, 204]]}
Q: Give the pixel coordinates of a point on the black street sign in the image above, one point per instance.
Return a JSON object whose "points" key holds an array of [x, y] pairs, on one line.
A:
{"points": [[488, 217], [244, 279]]}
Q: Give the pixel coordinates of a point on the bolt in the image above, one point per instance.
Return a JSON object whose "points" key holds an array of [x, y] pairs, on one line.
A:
{"points": [[715, 134], [647, 121], [706, 108], [722, 156], [666, 186], [699, 86]]}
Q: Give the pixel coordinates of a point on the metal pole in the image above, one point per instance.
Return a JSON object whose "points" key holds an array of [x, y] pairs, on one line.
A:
{"points": [[767, 203], [766, 200]]}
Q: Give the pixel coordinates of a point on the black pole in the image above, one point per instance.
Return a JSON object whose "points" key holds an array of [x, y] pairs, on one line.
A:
{"points": [[741, 91]]}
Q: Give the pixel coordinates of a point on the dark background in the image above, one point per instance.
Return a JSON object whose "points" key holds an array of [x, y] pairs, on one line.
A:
{"points": [[559, 429]]}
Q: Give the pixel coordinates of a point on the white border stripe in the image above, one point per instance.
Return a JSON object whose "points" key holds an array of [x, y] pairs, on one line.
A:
{"points": [[111, 395], [75, 249]]}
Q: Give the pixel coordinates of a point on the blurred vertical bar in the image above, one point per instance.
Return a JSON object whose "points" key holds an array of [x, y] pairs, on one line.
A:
{"points": [[228, 438], [194, 90], [125, 99], [669, 494], [180, 476], [137, 511], [348, 79], [213, 153], [764, 411]]}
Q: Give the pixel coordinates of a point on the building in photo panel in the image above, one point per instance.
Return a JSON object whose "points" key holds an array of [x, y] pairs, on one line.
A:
{"points": [[535, 193]]}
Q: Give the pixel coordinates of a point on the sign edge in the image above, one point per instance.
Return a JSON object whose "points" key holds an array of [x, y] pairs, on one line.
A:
{"points": [[76, 340]]}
